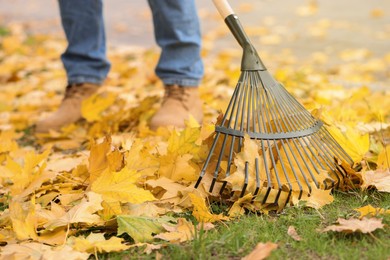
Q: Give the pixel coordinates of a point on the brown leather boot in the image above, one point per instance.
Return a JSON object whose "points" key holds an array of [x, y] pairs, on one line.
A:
{"points": [[70, 108], [177, 106]]}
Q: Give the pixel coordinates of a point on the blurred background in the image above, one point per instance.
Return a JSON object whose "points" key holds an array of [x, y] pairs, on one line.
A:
{"points": [[331, 31]]}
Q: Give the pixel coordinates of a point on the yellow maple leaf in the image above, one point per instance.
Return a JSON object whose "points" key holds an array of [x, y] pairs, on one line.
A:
{"points": [[7, 141], [115, 160], [177, 167], [139, 158], [93, 107], [248, 155], [184, 142], [120, 186], [183, 231], [23, 220], [301, 173], [44, 216], [55, 237], [97, 242], [317, 199], [354, 143], [23, 176], [36, 251], [371, 211], [237, 209], [98, 158], [110, 209], [384, 158], [201, 212], [61, 163], [84, 212], [146, 209], [170, 189]]}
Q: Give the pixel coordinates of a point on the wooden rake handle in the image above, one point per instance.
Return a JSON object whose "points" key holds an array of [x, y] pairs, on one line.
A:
{"points": [[223, 8]]}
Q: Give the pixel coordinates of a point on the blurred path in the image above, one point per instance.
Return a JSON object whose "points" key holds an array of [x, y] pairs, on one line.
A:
{"points": [[304, 26], [336, 24]]}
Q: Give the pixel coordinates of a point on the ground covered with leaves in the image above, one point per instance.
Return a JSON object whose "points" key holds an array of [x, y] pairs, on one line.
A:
{"points": [[109, 184]]}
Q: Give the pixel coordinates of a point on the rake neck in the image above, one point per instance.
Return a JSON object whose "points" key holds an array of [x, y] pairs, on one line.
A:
{"points": [[250, 58]]}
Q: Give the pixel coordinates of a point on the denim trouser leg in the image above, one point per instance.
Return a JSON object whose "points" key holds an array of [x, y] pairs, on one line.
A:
{"points": [[177, 32], [85, 57]]}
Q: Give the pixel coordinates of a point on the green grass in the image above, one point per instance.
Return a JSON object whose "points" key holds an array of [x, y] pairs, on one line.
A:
{"points": [[4, 31], [237, 238]]}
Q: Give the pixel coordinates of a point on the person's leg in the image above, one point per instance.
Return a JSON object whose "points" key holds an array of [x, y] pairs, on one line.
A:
{"points": [[180, 67], [84, 59], [177, 32]]}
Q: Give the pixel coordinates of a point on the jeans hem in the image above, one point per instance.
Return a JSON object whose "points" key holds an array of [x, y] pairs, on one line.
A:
{"points": [[182, 82], [85, 79]]}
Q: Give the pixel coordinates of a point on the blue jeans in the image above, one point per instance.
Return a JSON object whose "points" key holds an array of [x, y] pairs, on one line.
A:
{"points": [[176, 29]]}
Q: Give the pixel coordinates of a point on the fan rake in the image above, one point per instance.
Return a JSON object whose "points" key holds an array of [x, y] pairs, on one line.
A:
{"points": [[267, 144]]}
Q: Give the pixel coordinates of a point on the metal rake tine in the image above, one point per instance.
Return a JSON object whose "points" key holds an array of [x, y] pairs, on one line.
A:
{"points": [[203, 172], [246, 179], [216, 172]]}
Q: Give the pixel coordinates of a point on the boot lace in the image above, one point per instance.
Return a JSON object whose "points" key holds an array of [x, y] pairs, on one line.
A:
{"points": [[76, 90], [177, 93]]}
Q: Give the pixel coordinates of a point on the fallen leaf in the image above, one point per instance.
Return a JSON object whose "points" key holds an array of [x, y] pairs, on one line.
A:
{"points": [[141, 229], [293, 233], [318, 198], [84, 212], [237, 209], [370, 211], [63, 164], [384, 158], [354, 143], [93, 106], [309, 9], [380, 179], [98, 158], [97, 242], [365, 225], [37, 251], [148, 247], [177, 167], [183, 231], [261, 251], [201, 212], [23, 220], [170, 188], [120, 186]]}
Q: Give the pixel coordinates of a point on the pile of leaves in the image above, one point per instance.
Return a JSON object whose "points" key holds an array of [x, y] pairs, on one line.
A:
{"points": [[109, 183]]}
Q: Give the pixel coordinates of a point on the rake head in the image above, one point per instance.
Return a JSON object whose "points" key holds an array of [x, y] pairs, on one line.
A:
{"points": [[267, 144]]}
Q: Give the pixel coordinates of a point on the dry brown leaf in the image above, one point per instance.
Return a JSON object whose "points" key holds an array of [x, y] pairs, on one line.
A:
{"points": [[380, 179], [365, 225], [261, 251], [293, 233]]}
